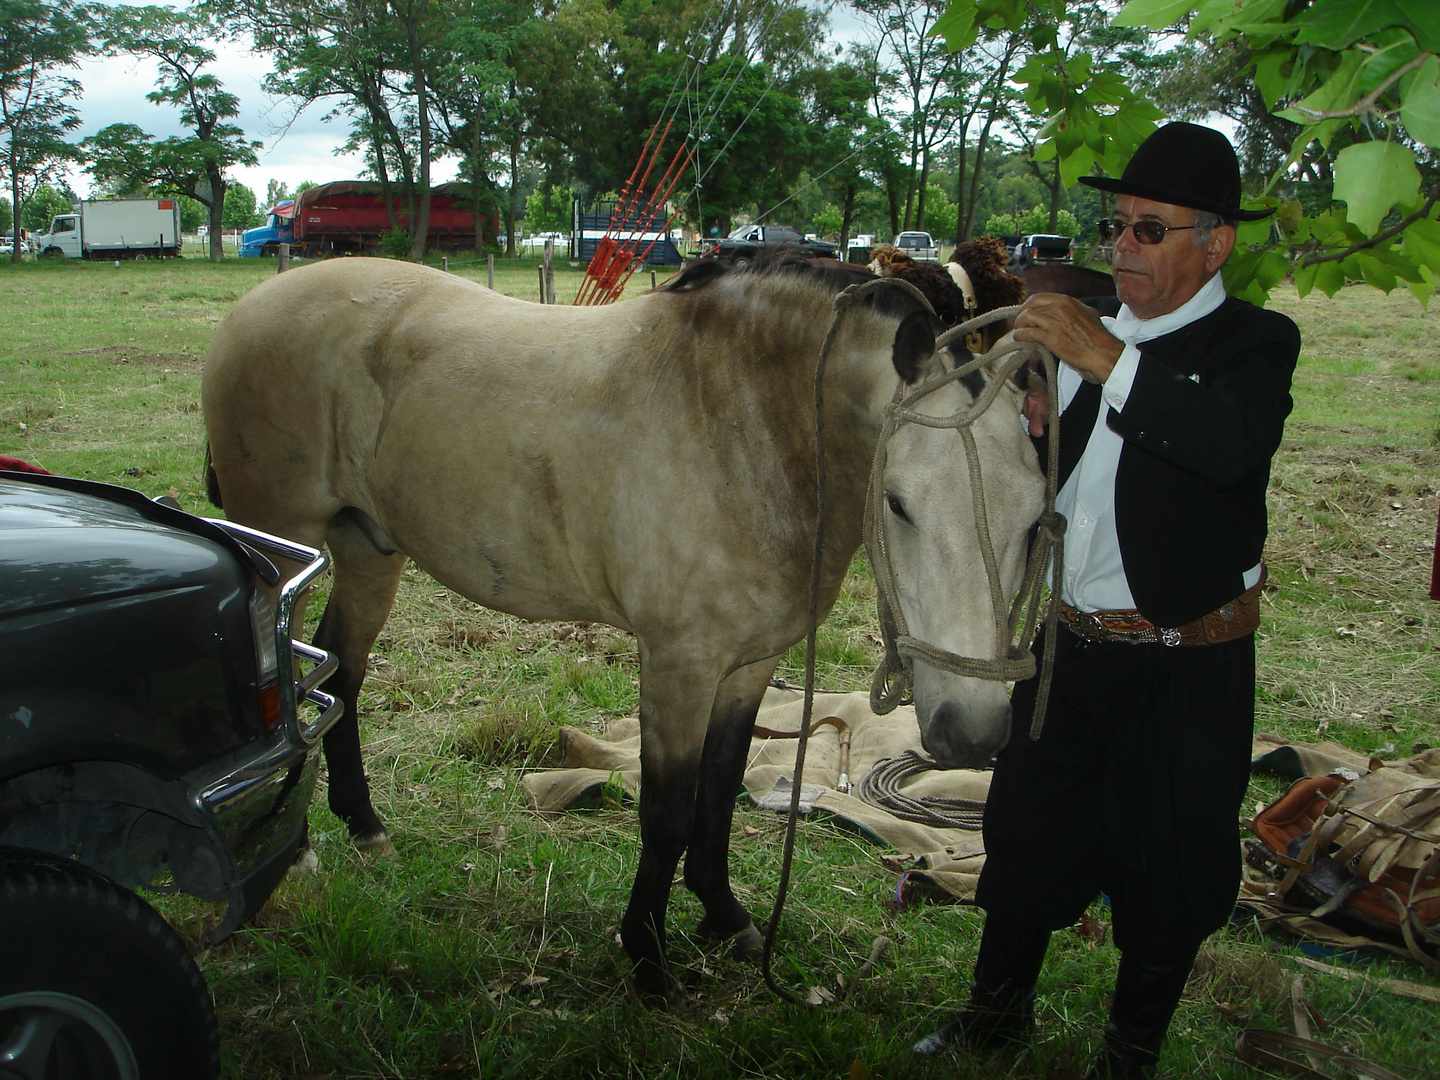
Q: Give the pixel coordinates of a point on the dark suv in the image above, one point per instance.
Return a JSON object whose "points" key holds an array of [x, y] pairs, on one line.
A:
{"points": [[155, 731]]}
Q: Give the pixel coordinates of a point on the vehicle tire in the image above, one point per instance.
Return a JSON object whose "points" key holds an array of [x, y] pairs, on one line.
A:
{"points": [[94, 984], [53, 253], [740, 261]]}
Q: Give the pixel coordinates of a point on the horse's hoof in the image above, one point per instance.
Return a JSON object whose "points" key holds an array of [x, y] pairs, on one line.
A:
{"points": [[746, 944], [659, 990], [306, 864], [376, 845]]}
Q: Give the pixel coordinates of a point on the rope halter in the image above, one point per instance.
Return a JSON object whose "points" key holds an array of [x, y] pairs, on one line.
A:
{"points": [[1016, 626]]}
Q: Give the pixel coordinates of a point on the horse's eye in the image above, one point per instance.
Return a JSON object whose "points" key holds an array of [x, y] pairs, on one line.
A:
{"points": [[896, 506]]}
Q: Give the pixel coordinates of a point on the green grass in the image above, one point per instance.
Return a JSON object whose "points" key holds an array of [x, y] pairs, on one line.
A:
{"points": [[488, 948]]}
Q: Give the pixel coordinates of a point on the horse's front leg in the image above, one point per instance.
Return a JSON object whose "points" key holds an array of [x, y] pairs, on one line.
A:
{"points": [[722, 769], [674, 707]]}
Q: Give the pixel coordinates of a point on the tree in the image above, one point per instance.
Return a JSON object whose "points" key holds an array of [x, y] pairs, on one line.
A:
{"points": [[373, 61], [193, 165], [922, 94], [43, 205], [240, 211], [940, 213], [1363, 84], [547, 209], [39, 39], [1361, 81]]}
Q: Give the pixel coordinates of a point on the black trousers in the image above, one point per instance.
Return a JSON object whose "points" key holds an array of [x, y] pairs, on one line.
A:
{"points": [[1134, 788]]}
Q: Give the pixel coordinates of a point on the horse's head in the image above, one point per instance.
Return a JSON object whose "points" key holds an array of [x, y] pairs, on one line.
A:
{"points": [[931, 529]]}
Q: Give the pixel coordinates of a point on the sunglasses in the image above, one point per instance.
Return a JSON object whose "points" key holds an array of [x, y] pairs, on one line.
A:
{"points": [[1146, 232]]}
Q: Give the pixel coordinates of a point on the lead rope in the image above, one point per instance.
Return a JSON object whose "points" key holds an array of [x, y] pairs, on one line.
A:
{"points": [[847, 299], [1052, 527]]}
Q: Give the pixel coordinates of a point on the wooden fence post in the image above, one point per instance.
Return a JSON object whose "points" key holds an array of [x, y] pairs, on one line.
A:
{"points": [[490, 271], [282, 258]]}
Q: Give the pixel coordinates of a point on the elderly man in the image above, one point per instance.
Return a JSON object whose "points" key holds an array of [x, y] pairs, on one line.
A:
{"points": [[1171, 410]]}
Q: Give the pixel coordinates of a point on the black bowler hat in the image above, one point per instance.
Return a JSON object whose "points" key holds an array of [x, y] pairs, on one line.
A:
{"points": [[1184, 165]]}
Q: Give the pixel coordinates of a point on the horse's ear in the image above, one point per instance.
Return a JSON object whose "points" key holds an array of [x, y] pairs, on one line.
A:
{"points": [[914, 344]]}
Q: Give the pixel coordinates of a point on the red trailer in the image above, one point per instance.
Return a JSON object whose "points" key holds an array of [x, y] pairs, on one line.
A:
{"points": [[349, 217]]}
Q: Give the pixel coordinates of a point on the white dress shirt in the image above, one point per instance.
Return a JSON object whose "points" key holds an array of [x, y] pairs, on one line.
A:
{"points": [[1094, 575]]}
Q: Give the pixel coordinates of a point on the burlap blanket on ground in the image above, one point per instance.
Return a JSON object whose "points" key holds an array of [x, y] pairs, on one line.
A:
{"points": [[946, 858]]}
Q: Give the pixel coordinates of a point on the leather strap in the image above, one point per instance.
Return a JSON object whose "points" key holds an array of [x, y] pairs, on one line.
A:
{"points": [[1261, 1047]]}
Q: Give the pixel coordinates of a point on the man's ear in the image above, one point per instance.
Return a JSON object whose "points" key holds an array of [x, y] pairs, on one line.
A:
{"points": [[1222, 242]]}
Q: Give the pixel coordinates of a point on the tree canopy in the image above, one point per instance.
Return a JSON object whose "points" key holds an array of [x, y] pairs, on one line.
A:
{"points": [[1358, 80]]}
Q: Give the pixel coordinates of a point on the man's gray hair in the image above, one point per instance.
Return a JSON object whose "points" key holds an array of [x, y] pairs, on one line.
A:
{"points": [[1206, 223]]}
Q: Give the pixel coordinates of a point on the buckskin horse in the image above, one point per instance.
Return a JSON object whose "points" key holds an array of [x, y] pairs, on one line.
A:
{"points": [[649, 464]]}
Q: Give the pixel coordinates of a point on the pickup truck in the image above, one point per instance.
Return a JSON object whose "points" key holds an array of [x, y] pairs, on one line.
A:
{"points": [[919, 246], [743, 245], [157, 731], [1041, 248]]}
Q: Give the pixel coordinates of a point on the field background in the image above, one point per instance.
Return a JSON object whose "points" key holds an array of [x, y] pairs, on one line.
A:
{"points": [[488, 947]]}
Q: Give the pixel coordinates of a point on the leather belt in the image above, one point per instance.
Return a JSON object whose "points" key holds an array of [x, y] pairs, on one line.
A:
{"points": [[1127, 626]]}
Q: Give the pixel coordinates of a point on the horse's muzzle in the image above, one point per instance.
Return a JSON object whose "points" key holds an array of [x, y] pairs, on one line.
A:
{"points": [[958, 738]]}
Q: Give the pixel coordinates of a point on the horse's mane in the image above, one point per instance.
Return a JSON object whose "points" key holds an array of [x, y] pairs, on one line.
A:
{"points": [[830, 275]]}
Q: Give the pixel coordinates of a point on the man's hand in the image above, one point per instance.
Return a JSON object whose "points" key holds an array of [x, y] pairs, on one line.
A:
{"points": [[1072, 331], [1036, 406]]}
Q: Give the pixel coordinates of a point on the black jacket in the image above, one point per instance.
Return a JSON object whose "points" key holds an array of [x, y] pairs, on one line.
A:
{"points": [[1190, 487]]}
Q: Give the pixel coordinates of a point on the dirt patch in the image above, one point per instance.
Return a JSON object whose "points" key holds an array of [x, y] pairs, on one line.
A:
{"points": [[123, 354]]}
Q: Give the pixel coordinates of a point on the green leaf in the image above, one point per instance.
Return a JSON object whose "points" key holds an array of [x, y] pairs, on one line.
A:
{"points": [[1338, 24], [1329, 277], [1272, 75], [1304, 280], [1423, 18], [1252, 232], [1376, 273], [1420, 103], [1393, 50], [1156, 14], [1424, 289], [1422, 242], [1222, 15], [1372, 177], [1336, 94], [957, 25]]}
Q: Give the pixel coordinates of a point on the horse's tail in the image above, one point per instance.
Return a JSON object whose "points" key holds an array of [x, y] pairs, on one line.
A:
{"points": [[212, 482]]}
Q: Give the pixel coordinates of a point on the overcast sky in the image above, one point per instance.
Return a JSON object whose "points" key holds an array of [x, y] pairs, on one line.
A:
{"points": [[294, 149]]}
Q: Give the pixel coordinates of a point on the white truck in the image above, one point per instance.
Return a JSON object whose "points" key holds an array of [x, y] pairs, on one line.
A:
{"points": [[919, 246], [114, 229]]}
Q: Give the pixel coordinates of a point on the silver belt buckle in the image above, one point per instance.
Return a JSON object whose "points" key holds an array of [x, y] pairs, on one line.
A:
{"points": [[1169, 636]]}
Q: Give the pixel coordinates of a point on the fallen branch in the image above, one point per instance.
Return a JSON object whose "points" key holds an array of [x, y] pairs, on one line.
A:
{"points": [[1398, 987], [881, 946]]}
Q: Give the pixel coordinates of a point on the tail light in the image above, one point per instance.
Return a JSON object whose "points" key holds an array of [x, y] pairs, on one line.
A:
{"points": [[267, 663]]}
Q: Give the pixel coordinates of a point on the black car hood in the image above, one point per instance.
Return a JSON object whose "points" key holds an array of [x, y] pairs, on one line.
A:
{"points": [[68, 542]]}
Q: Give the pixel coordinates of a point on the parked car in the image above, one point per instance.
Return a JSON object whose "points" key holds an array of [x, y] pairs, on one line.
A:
{"points": [[745, 244], [919, 246], [1040, 248], [156, 730], [537, 242]]}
